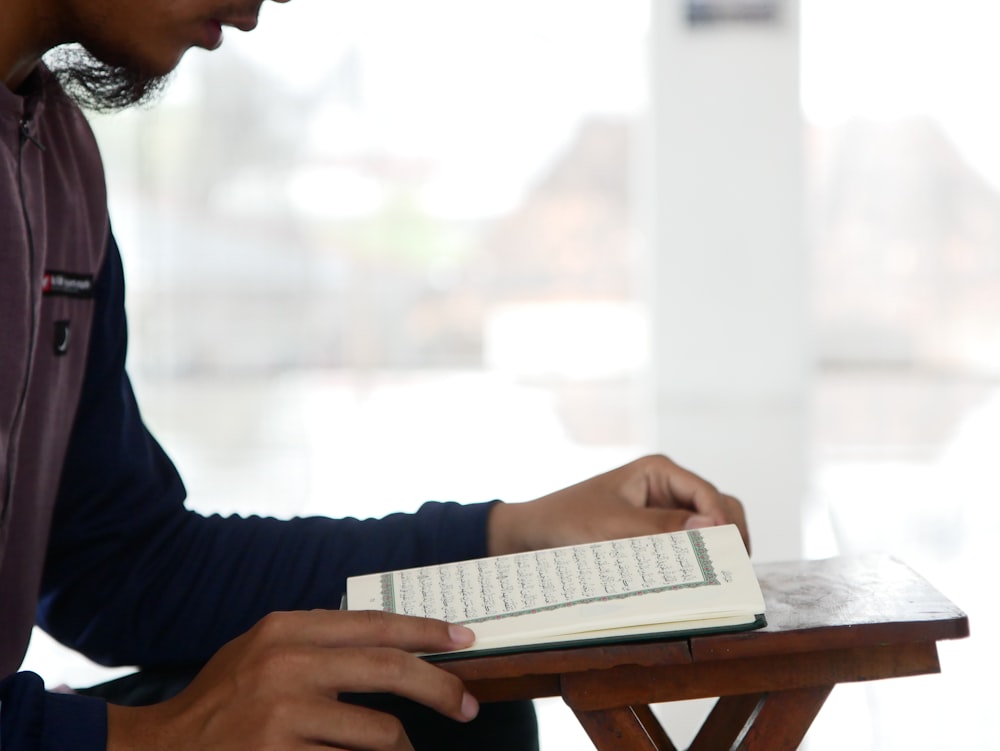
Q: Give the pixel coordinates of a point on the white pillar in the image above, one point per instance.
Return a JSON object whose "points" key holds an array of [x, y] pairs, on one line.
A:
{"points": [[729, 275]]}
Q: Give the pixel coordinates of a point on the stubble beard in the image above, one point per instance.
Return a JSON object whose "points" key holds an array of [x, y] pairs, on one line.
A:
{"points": [[100, 86]]}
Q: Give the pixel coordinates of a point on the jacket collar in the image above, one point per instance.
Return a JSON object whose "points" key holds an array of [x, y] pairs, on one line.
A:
{"points": [[28, 99]]}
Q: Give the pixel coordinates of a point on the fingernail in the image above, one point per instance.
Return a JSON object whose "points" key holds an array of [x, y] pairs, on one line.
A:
{"points": [[696, 521], [470, 707], [461, 635]]}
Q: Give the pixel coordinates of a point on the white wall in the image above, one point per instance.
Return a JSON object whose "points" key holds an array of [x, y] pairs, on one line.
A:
{"points": [[729, 269]]}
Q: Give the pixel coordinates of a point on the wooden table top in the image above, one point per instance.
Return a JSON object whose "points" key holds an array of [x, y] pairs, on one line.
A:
{"points": [[812, 607]]}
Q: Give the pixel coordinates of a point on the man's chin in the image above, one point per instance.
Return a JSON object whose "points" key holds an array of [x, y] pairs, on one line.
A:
{"points": [[100, 86]]}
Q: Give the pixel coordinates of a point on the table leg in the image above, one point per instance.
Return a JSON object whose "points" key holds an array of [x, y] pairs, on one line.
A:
{"points": [[726, 721], [625, 729], [776, 721]]}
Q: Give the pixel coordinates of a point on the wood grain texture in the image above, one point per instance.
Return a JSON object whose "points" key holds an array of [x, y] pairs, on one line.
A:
{"points": [[781, 720], [630, 684], [562, 661], [726, 722], [829, 622], [840, 603], [633, 728]]}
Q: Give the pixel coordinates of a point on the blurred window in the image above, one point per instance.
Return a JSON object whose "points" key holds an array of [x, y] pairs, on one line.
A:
{"points": [[369, 232], [905, 209]]}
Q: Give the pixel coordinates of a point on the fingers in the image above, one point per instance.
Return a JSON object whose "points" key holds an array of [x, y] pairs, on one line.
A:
{"points": [[736, 514], [308, 722], [335, 628], [308, 671], [386, 670], [254, 693], [613, 505], [362, 652], [671, 486], [368, 651], [636, 522], [350, 726], [671, 520]]}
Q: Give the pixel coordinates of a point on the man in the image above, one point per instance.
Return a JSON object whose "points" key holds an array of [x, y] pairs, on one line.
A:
{"points": [[95, 544]]}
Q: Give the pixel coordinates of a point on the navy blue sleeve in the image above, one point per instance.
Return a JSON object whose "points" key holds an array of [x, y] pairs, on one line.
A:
{"points": [[134, 578], [32, 719]]}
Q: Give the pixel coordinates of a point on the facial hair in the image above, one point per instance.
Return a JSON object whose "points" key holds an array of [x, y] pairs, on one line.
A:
{"points": [[100, 86]]}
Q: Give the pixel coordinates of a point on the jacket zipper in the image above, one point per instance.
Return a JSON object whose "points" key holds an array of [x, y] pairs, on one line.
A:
{"points": [[33, 290]]}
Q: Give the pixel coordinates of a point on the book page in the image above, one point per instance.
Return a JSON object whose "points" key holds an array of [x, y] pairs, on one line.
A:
{"points": [[621, 583], [487, 588]]}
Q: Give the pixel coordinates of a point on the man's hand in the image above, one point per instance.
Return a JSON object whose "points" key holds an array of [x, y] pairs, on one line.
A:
{"points": [[277, 687], [647, 496]]}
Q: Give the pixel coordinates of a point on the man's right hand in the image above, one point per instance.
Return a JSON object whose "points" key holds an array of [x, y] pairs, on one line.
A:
{"points": [[278, 687]]}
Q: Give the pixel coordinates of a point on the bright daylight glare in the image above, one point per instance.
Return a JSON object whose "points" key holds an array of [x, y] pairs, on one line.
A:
{"points": [[361, 243]]}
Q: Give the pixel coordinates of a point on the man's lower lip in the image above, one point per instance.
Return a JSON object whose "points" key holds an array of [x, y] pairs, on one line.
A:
{"points": [[213, 35]]}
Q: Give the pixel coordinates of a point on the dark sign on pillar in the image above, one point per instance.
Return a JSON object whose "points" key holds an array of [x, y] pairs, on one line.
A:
{"points": [[701, 12]]}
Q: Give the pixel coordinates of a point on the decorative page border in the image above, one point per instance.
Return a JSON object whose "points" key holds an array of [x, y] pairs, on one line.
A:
{"points": [[388, 593], [709, 578]]}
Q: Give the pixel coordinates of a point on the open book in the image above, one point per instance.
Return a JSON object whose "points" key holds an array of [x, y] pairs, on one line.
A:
{"points": [[640, 588]]}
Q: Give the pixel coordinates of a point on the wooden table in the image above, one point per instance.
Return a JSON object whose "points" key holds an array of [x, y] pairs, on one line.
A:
{"points": [[830, 621]]}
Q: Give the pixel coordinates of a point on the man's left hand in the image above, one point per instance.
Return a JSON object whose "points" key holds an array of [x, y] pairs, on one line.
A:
{"points": [[646, 496]]}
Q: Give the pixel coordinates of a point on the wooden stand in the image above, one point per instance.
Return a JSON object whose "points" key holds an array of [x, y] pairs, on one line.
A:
{"points": [[831, 621]]}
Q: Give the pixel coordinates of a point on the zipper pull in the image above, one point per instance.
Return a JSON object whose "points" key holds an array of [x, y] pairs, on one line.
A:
{"points": [[26, 134]]}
